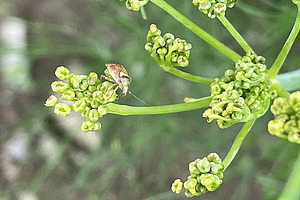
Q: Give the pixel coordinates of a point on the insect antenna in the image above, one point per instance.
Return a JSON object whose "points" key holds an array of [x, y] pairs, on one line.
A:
{"points": [[140, 100]]}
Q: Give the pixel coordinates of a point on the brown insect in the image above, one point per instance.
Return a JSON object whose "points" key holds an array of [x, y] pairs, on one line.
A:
{"points": [[117, 74]]}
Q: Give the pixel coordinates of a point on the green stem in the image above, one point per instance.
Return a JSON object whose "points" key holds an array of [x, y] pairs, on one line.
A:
{"points": [[143, 13], [237, 143], [279, 89], [152, 110], [235, 34], [286, 48], [189, 77], [291, 189], [197, 30]]}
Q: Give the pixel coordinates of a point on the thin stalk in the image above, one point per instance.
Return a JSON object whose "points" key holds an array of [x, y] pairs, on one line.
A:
{"points": [[286, 48], [152, 110], [237, 143], [190, 77], [143, 13], [291, 189], [197, 30], [235, 34]]}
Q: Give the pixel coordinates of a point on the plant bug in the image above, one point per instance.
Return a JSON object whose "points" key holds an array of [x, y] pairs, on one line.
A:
{"points": [[117, 74]]}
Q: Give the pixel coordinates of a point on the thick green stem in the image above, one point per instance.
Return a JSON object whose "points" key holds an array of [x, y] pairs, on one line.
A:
{"points": [[237, 143], [286, 48], [235, 34], [197, 30], [189, 77], [152, 110], [291, 189]]}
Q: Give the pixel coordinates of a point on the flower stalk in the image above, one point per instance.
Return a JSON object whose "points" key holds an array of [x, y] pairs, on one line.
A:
{"points": [[286, 48], [291, 189], [190, 77], [235, 34], [237, 143], [152, 110]]}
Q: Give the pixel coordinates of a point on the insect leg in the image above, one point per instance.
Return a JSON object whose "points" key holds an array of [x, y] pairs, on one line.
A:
{"points": [[114, 91]]}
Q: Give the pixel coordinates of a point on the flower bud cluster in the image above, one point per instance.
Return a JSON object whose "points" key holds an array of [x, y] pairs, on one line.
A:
{"points": [[135, 5], [205, 175], [167, 50], [241, 94], [287, 118], [88, 96], [214, 8]]}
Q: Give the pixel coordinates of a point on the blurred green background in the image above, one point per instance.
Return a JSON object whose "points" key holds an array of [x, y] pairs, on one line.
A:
{"points": [[43, 156]]}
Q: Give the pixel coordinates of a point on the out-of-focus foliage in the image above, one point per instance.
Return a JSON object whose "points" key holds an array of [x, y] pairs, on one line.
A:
{"points": [[48, 157]]}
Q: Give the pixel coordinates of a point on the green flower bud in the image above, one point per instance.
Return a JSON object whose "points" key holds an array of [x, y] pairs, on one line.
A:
{"points": [[213, 7], [280, 105], [210, 181], [68, 95], [135, 5], [59, 86], [84, 84], [290, 125], [85, 113], [162, 51], [275, 127], [62, 109], [294, 100], [62, 73], [102, 110], [215, 89], [78, 94], [95, 103], [214, 157], [79, 106], [200, 189], [93, 78], [169, 38], [97, 94], [92, 88], [216, 168], [51, 101], [203, 165], [93, 115], [110, 96], [76, 80], [294, 137], [190, 185], [193, 168], [177, 186], [188, 193], [88, 125], [220, 8]]}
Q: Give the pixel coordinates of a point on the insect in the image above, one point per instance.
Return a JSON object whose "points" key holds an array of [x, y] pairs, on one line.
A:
{"points": [[117, 74]]}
